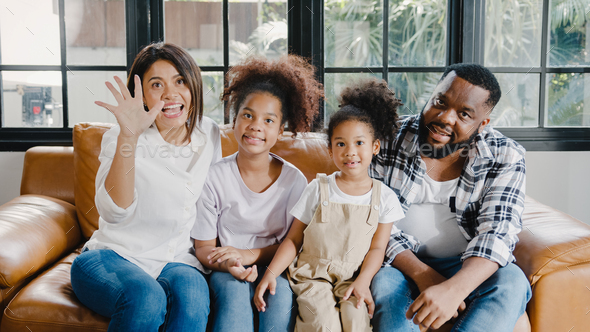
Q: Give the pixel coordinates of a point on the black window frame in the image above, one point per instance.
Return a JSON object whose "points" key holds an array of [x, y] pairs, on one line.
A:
{"points": [[466, 25], [539, 138], [23, 138], [145, 24], [453, 54]]}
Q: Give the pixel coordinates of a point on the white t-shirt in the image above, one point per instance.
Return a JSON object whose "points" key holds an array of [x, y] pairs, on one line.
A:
{"points": [[390, 209], [431, 220], [241, 218], [155, 229]]}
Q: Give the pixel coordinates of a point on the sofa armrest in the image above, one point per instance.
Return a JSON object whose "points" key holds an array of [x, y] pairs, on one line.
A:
{"points": [[35, 231], [550, 240], [49, 171]]}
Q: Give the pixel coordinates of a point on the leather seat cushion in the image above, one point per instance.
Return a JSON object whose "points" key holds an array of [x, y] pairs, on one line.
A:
{"points": [[48, 303], [550, 241], [35, 232]]}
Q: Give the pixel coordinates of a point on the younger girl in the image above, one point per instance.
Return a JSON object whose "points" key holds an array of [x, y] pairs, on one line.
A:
{"points": [[244, 209], [342, 221]]}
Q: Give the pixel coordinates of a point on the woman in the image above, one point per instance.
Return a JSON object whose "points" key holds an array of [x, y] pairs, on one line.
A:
{"points": [[139, 267]]}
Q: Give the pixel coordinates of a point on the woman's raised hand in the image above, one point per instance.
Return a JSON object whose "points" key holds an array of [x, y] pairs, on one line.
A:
{"points": [[130, 114]]}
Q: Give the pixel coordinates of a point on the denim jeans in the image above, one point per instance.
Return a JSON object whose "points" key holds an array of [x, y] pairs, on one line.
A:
{"points": [[234, 310], [495, 305], [178, 300]]}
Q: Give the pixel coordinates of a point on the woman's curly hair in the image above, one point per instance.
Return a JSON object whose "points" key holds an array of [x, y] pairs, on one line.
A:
{"points": [[369, 101], [290, 79]]}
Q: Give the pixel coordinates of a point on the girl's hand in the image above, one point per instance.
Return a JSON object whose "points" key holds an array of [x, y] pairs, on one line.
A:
{"points": [[236, 269], [363, 294], [221, 254], [267, 282], [130, 114]]}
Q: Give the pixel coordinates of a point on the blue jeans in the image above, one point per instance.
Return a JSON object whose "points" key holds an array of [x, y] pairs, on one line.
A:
{"points": [[178, 300], [234, 310], [495, 305]]}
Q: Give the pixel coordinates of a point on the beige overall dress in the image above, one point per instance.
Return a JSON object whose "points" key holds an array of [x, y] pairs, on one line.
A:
{"points": [[334, 246]]}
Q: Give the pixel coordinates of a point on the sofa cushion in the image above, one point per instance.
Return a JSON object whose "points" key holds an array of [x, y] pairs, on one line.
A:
{"points": [[550, 241], [49, 171], [8, 293], [48, 303], [35, 231], [87, 138], [561, 301]]}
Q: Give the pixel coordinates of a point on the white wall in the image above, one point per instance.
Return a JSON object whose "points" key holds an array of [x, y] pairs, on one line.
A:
{"points": [[558, 179], [11, 171]]}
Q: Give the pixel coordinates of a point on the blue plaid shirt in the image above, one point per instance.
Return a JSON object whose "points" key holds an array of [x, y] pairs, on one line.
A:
{"points": [[490, 193]]}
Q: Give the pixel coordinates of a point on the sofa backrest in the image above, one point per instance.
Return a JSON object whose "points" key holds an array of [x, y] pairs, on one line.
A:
{"points": [[48, 171], [308, 152], [87, 138]]}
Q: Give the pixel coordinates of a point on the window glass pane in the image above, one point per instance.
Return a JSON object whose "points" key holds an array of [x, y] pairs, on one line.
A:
{"points": [[257, 27], [417, 32], [414, 89], [513, 33], [568, 29], [29, 33], [568, 100], [31, 99], [95, 32], [197, 26], [519, 104], [333, 85], [84, 88], [212, 89], [353, 34]]}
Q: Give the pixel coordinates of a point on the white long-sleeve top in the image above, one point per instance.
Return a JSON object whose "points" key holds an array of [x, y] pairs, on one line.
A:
{"points": [[155, 229]]}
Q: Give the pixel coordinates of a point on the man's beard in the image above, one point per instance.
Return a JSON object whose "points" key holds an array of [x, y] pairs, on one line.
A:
{"points": [[429, 151]]}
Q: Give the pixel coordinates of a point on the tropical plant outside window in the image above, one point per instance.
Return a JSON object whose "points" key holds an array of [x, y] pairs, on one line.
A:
{"points": [[417, 38], [537, 48], [255, 27], [514, 39], [551, 84], [568, 94]]}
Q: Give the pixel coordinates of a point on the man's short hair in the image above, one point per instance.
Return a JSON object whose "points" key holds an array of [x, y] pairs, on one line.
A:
{"points": [[477, 75]]}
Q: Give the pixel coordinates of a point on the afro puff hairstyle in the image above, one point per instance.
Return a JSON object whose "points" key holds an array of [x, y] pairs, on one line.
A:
{"points": [[369, 101], [290, 79]]}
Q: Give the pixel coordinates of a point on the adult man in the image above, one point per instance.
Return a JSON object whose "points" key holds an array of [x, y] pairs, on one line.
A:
{"points": [[461, 184]]}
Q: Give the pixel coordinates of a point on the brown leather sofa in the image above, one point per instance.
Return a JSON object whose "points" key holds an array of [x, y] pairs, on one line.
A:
{"points": [[42, 231]]}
